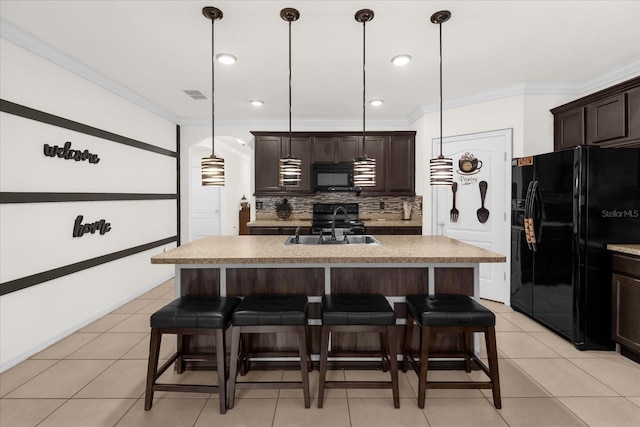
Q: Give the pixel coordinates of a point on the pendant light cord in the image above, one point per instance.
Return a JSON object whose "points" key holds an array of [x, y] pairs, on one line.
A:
{"points": [[290, 155], [441, 142], [212, 88], [364, 86]]}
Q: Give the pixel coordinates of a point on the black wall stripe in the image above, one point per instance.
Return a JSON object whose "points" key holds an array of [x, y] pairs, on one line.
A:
{"points": [[41, 116], [9, 197], [25, 282]]}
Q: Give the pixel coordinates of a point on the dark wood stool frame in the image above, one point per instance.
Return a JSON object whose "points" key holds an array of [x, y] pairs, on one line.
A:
{"points": [[243, 357], [389, 344], [421, 366], [153, 373]]}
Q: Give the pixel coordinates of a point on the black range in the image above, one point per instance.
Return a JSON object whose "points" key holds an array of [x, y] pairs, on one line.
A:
{"points": [[323, 215]]}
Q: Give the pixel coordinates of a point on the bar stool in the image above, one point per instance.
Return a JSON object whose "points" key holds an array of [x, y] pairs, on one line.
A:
{"points": [[359, 313], [451, 313], [258, 314], [189, 315]]}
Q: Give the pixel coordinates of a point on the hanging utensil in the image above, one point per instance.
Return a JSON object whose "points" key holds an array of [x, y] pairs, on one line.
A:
{"points": [[453, 213], [483, 213]]}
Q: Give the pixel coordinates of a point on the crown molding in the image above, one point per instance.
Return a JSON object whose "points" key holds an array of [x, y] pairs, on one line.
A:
{"points": [[19, 37], [623, 72], [299, 123], [29, 42]]}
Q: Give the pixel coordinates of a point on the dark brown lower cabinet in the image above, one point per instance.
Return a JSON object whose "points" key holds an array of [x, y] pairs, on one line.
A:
{"points": [[287, 231], [626, 304], [244, 216], [417, 230], [394, 230]]}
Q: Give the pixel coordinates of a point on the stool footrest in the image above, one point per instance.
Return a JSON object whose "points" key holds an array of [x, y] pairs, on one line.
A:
{"points": [[269, 385], [458, 384], [192, 388], [358, 384]]}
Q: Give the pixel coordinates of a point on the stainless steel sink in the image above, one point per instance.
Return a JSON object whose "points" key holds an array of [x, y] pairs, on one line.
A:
{"points": [[359, 239]]}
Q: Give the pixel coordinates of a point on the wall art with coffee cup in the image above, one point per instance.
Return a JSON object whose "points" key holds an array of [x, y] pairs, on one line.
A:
{"points": [[468, 164]]}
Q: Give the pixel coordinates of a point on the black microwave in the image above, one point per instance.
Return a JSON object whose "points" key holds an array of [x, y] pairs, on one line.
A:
{"points": [[333, 177]]}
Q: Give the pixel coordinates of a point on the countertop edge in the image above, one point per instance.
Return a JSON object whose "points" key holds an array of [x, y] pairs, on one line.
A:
{"points": [[332, 261], [629, 249]]}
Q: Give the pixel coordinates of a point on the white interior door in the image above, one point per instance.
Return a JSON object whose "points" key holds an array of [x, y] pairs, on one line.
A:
{"points": [[205, 207], [488, 160]]}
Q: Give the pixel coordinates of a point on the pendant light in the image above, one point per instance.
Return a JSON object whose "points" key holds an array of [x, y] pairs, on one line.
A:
{"points": [[212, 167], [441, 168], [364, 167], [290, 167]]}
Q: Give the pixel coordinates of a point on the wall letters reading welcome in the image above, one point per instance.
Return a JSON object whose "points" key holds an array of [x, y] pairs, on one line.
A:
{"points": [[67, 153], [79, 229]]}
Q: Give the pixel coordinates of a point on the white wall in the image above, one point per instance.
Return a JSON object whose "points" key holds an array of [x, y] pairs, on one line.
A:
{"points": [[527, 115], [37, 237]]}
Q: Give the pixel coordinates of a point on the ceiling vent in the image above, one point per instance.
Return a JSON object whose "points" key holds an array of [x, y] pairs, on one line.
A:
{"points": [[195, 94]]}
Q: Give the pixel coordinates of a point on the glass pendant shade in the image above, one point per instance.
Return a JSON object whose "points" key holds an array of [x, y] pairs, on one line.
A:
{"points": [[212, 171], [290, 171], [441, 171], [364, 172]]}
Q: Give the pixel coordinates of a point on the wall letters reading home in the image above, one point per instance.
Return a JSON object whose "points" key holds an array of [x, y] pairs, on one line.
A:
{"points": [[67, 153], [79, 229]]}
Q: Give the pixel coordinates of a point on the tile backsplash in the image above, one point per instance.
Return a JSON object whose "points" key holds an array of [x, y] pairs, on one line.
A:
{"points": [[370, 206]]}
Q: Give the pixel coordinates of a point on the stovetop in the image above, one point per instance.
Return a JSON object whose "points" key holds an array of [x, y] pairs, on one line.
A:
{"points": [[323, 215]]}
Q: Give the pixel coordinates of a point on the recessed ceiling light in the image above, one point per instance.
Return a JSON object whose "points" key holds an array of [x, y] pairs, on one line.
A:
{"points": [[376, 102], [257, 102], [400, 60], [226, 58]]}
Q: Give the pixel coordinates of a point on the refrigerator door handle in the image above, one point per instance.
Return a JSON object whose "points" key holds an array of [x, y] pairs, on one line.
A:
{"points": [[529, 232], [536, 215]]}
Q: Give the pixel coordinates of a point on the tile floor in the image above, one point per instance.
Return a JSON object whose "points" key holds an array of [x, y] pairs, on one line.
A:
{"points": [[96, 377]]}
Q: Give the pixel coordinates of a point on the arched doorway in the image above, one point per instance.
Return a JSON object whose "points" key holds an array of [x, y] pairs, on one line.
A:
{"points": [[214, 210]]}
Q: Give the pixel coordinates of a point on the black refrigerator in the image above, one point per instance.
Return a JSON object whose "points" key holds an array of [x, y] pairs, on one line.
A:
{"points": [[566, 207]]}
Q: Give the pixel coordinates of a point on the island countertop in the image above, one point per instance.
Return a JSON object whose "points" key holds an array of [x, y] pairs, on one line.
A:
{"points": [[395, 249]]}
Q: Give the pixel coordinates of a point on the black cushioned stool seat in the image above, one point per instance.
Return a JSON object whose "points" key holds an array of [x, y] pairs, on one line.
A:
{"points": [[359, 313], [357, 309], [451, 313], [259, 314], [189, 315]]}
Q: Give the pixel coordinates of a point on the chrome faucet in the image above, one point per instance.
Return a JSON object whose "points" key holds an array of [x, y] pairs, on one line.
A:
{"points": [[333, 220], [297, 236]]}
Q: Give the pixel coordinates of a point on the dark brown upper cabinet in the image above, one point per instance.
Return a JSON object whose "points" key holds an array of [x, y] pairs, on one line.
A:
{"points": [[268, 151], [608, 118], [267, 158], [335, 149], [569, 129], [400, 162], [394, 153], [376, 147]]}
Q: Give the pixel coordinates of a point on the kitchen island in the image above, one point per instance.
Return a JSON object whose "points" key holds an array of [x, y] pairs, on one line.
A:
{"points": [[400, 265]]}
